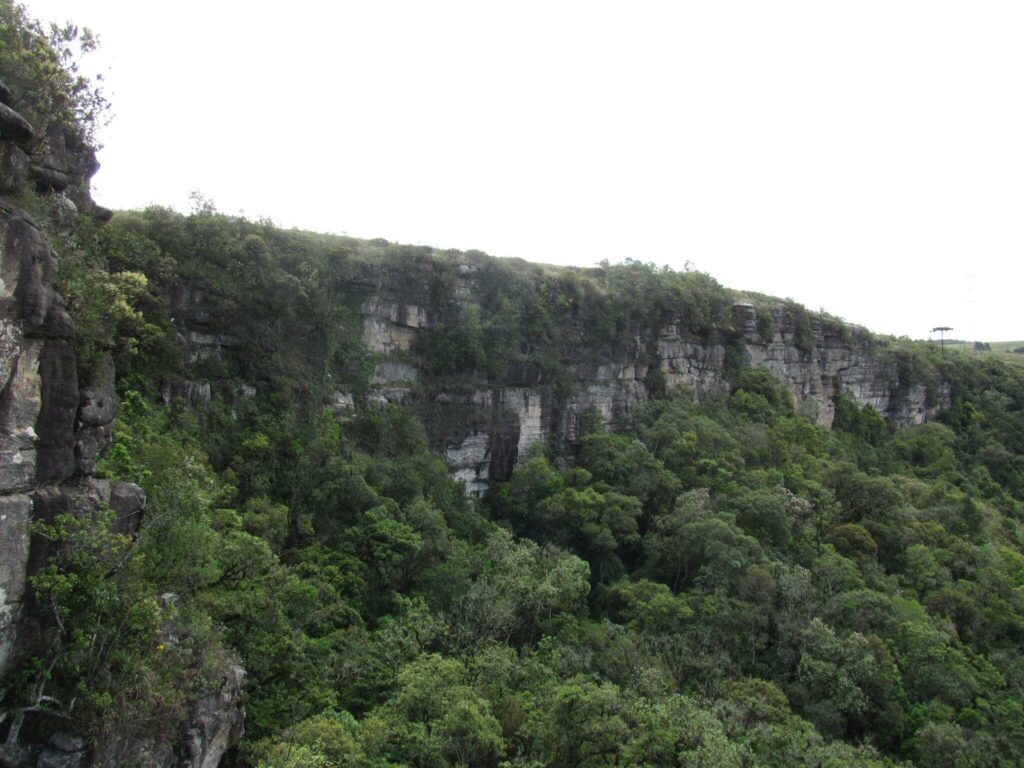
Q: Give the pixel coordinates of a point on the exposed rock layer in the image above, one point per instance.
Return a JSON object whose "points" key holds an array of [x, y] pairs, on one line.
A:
{"points": [[483, 427]]}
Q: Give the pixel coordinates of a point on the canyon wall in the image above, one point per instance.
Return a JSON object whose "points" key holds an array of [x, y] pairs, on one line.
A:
{"points": [[483, 425]]}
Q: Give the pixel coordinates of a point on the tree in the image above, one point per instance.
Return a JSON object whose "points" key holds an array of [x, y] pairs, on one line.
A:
{"points": [[43, 73], [693, 542]]}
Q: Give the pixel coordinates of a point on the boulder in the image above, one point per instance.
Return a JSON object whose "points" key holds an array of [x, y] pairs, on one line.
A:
{"points": [[128, 502]]}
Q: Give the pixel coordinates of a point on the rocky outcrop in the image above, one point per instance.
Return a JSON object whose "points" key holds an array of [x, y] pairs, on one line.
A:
{"points": [[483, 434], [215, 723], [53, 429], [38, 401]]}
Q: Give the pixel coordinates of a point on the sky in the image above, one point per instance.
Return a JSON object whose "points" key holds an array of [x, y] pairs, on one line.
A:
{"points": [[866, 158]]}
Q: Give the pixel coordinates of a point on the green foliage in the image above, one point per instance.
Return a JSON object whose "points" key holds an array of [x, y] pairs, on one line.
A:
{"points": [[122, 653], [722, 583], [41, 67]]}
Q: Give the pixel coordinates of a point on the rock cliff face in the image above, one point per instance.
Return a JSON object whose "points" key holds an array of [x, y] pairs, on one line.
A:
{"points": [[500, 422], [483, 426], [53, 428], [40, 398]]}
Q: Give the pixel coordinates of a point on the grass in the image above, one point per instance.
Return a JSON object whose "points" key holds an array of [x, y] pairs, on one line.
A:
{"points": [[1003, 350]]}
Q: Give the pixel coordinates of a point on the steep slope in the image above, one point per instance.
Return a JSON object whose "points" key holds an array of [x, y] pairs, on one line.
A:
{"points": [[485, 407]]}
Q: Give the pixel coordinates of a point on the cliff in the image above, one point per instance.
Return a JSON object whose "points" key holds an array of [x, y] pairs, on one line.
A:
{"points": [[51, 428], [55, 422], [483, 418]]}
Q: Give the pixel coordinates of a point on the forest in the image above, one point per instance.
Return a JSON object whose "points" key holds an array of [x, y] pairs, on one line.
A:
{"points": [[721, 583]]}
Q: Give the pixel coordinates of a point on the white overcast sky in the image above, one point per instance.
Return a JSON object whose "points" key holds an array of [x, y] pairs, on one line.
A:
{"points": [[866, 157]]}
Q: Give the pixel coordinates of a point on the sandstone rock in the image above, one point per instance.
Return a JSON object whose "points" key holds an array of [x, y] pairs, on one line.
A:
{"points": [[215, 724], [15, 518], [63, 210], [469, 462], [49, 179], [51, 434], [128, 501], [38, 397], [28, 272], [13, 126], [201, 346], [344, 403], [19, 408], [14, 168], [86, 495], [50, 162], [389, 372], [97, 405], [197, 393], [390, 326], [80, 166], [102, 214], [55, 447]]}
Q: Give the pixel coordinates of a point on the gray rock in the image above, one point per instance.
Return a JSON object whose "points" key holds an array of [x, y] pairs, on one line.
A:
{"points": [[49, 179], [14, 168], [55, 448], [5, 94], [87, 495], [388, 372], [97, 402], [216, 723], [90, 444], [52, 758], [128, 501], [13, 126], [97, 405], [67, 742], [28, 272], [197, 393], [63, 211], [15, 518]]}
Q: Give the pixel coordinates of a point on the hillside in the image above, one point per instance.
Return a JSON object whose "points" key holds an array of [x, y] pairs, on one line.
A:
{"points": [[1009, 352], [273, 498]]}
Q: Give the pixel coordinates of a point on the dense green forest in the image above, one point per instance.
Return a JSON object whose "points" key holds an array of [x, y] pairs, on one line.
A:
{"points": [[722, 584]]}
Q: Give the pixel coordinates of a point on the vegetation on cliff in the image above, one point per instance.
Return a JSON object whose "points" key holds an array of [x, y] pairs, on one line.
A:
{"points": [[725, 583], [722, 583]]}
